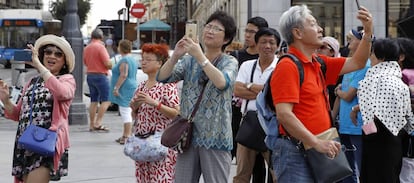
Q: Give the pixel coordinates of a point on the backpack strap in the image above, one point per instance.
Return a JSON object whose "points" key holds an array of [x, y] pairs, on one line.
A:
{"points": [[298, 64], [323, 65]]}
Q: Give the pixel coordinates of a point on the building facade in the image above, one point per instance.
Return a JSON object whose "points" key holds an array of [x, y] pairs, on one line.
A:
{"points": [[21, 4], [336, 17]]}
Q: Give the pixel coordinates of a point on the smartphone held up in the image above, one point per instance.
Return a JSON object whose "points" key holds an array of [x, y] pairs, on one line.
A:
{"points": [[191, 30], [357, 3], [23, 55]]}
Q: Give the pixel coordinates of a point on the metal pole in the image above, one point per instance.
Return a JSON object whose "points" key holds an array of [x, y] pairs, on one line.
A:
{"points": [[72, 33], [138, 37], [175, 23], [249, 9], [123, 23]]}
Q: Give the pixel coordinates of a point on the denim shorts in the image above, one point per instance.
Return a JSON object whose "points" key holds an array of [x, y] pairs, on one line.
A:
{"points": [[98, 87]]}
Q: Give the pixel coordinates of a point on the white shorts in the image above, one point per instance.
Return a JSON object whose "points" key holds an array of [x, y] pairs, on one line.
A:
{"points": [[125, 114]]}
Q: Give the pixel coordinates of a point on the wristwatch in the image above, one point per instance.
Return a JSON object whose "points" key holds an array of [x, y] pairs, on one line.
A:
{"points": [[249, 85]]}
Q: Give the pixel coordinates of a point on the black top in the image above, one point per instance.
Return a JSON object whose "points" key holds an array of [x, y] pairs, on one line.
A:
{"points": [[242, 55]]}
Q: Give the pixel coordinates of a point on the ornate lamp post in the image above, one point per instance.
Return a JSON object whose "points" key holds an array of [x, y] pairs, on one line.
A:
{"points": [[72, 33]]}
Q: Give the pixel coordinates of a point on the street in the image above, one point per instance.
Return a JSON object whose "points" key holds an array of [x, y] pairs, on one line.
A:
{"points": [[93, 157]]}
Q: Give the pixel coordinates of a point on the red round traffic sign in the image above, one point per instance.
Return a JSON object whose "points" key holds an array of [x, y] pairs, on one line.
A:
{"points": [[138, 10]]}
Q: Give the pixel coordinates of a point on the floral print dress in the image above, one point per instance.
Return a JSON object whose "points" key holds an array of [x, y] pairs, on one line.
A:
{"points": [[25, 161], [149, 119]]}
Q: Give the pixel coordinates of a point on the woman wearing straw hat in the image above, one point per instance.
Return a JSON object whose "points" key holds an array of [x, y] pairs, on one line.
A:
{"points": [[53, 92]]}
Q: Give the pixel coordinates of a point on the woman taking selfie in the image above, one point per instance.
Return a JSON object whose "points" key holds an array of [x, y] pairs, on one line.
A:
{"points": [[45, 102]]}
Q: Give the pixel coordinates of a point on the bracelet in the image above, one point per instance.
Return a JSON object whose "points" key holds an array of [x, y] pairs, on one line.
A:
{"points": [[159, 106], [205, 63]]}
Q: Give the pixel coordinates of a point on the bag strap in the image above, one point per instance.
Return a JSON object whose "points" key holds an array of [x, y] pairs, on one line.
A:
{"points": [[251, 81], [215, 63], [325, 93], [32, 100]]}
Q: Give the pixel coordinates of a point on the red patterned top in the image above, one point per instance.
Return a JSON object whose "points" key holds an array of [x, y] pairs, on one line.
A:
{"points": [[148, 118]]}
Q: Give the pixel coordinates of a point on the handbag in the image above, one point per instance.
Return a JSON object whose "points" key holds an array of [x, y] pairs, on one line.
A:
{"points": [[35, 138], [145, 148], [179, 132], [251, 133], [326, 169], [39, 140]]}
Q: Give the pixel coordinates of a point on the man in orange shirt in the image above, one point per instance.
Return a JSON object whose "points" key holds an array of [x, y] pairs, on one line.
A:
{"points": [[96, 59], [302, 109]]}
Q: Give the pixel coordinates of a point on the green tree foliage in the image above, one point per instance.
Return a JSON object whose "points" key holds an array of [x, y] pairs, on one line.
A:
{"points": [[58, 10]]}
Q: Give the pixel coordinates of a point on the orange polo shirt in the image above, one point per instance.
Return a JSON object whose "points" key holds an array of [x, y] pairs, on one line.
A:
{"points": [[95, 56], [310, 103]]}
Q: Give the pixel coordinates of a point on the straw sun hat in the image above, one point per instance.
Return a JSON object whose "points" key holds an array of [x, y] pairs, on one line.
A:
{"points": [[61, 43]]}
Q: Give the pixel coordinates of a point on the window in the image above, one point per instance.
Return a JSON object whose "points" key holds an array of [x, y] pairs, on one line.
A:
{"points": [[399, 18], [329, 14]]}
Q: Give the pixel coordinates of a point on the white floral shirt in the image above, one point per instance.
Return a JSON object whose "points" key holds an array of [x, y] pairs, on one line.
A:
{"points": [[383, 94]]}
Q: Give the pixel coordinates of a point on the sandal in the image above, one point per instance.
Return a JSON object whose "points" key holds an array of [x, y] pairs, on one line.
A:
{"points": [[121, 140], [101, 128]]}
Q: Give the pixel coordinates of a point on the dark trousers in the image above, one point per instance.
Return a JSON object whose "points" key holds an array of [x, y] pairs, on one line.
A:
{"points": [[381, 156], [259, 170]]}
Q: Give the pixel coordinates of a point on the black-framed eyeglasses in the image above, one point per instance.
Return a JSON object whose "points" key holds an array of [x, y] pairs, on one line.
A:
{"points": [[250, 31], [323, 47]]}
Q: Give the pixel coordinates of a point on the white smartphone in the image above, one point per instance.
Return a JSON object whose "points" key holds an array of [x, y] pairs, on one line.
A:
{"points": [[191, 30]]}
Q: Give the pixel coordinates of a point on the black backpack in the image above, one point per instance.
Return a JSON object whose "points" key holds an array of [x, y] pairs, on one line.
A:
{"points": [[266, 112]]}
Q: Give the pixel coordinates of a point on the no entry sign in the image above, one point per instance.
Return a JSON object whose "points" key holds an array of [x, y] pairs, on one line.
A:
{"points": [[138, 10]]}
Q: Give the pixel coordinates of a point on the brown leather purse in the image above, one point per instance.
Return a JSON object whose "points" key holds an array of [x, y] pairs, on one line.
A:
{"points": [[179, 132]]}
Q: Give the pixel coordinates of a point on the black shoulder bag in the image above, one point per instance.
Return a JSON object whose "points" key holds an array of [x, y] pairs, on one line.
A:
{"points": [[251, 133]]}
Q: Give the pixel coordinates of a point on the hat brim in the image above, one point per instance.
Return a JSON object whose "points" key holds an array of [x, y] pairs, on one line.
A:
{"points": [[356, 34], [62, 44]]}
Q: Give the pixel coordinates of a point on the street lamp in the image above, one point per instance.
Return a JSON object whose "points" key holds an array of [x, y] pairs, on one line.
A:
{"points": [[72, 33], [122, 12]]}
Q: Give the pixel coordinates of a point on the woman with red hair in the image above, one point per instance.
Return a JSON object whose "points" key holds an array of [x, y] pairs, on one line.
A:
{"points": [[154, 105]]}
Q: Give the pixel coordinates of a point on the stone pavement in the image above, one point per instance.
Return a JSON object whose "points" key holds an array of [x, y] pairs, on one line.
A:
{"points": [[93, 157]]}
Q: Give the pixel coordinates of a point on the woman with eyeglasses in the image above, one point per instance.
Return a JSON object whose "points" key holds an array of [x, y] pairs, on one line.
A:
{"points": [[209, 153], [154, 105], [45, 102]]}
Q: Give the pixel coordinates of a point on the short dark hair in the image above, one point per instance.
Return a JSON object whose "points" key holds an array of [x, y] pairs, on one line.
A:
{"points": [[406, 48], [268, 32], [229, 25], [386, 49], [259, 22]]}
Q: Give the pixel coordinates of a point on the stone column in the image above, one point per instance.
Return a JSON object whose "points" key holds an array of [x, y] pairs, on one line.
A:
{"points": [[71, 31]]}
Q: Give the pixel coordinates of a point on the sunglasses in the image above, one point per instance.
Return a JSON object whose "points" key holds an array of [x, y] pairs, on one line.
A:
{"points": [[326, 47], [57, 53]]}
